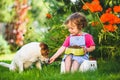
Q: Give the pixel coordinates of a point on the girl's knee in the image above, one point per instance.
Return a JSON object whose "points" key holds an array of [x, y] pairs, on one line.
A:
{"points": [[69, 57]]}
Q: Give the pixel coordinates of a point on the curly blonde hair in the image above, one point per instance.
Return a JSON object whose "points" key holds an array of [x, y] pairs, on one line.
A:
{"points": [[78, 19]]}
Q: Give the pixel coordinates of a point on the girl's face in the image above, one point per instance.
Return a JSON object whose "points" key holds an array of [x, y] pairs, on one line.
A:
{"points": [[73, 29]]}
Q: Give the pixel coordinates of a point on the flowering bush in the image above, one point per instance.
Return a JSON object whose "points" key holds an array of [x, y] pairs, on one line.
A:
{"points": [[16, 29], [107, 24], [103, 23]]}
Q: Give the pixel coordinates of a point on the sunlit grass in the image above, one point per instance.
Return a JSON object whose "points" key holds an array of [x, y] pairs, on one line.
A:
{"points": [[107, 70], [52, 72], [6, 56]]}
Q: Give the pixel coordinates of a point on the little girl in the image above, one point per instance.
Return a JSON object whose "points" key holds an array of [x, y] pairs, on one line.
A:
{"points": [[74, 42]]}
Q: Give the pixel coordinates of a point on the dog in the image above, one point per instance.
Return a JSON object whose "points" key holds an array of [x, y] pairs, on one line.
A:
{"points": [[28, 54]]}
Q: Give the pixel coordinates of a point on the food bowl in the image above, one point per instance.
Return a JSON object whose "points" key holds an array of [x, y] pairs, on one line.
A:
{"points": [[75, 51]]}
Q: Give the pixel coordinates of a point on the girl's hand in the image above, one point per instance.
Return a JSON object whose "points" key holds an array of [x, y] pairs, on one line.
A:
{"points": [[85, 49], [51, 60]]}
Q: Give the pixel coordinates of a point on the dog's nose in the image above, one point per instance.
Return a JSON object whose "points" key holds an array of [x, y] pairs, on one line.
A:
{"points": [[47, 61]]}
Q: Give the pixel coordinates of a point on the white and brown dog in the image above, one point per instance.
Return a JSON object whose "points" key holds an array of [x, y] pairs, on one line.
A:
{"points": [[28, 54]]}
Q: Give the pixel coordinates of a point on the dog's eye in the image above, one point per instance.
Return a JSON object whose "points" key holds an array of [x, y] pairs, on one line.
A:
{"points": [[44, 53], [46, 56]]}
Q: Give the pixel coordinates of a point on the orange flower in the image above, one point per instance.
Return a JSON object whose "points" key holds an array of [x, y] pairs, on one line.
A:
{"points": [[116, 9], [108, 10], [109, 18], [48, 16], [94, 23], [94, 6], [86, 6], [110, 28]]}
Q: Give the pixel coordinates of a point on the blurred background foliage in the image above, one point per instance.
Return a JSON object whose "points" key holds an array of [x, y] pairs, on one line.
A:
{"points": [[44, 22], [4, 47], [6, 12]]}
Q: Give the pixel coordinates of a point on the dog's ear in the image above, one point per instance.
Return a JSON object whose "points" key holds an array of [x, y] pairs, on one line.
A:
{"points": [[44, 49], [43, 46]]}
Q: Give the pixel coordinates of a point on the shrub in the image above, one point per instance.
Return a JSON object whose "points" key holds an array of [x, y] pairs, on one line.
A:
{"points": [[4, 47], [55, 38], [31, 35]]}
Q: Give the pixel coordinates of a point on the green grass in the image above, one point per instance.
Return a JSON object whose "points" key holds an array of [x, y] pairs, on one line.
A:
{"points": [[107, 70]]}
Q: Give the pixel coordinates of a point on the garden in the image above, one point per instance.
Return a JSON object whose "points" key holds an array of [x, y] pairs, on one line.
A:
{"points": [[25, 21]]}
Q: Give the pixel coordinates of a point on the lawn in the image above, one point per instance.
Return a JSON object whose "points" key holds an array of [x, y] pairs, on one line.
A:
{"points": [[107, 70]]}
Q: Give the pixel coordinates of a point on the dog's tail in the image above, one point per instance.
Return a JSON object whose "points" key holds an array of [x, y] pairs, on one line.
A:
{"points": [[5, 64]]}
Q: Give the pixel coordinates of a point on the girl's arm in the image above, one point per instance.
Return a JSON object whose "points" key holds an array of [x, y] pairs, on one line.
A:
{"points": [[90, 49], [57, 54]]}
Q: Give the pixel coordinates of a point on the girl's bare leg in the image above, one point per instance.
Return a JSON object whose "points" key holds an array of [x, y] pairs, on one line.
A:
{"points": [[75, 66], [68, 62]]}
